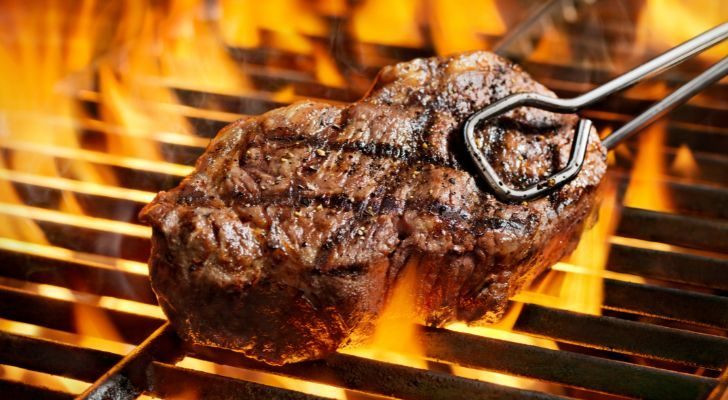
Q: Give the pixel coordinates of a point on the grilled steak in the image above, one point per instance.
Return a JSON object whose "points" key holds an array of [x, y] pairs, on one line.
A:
{"points": [[286, 241]]}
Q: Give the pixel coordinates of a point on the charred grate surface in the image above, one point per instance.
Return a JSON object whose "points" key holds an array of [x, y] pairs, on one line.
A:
{"points": [[663, 329]]}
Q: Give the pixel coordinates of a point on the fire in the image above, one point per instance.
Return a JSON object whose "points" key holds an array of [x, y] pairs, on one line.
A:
{"points": [[243, 21], [644, 190], [666, 23], [327, 72], [684, 163], [388, 22], [34, 97], [583, 292], [458, 26], [396, 337], [576, 285], [553, 45]]}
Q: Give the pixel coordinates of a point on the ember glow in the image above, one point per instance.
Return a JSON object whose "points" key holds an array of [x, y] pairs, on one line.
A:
{"points": [[103, 105]]}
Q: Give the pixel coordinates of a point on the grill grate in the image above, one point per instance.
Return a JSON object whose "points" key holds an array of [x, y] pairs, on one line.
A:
{"points": [[663, 332]]}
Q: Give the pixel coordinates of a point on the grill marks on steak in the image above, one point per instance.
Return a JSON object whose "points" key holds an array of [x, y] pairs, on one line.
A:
{"points": [[286, 240]]}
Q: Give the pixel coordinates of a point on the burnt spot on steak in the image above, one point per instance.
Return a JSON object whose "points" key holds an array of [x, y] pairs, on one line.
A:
{"points": [[287, 239]]}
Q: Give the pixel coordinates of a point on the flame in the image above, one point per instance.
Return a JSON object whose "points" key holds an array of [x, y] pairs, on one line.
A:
{"points": [[666, 23], [38, 68], [644, 190], [242, 22], [326, 70], [576, 285], [396, 337], [553, 45], [284, 95], [584, 292], [52, 43], [190, 55], [388, 22], [459, 26], [684, 164]]}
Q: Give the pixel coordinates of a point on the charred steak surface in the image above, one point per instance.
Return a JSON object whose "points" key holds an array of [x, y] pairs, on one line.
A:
{"points": [[286, 241]]}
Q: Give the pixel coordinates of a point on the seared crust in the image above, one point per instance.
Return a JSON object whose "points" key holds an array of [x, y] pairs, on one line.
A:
{"points": [[286, 240]]}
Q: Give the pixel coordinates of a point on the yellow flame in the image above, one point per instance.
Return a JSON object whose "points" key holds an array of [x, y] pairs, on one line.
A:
{"points": [[684, 164], [326, 70], [667, 23], [284, 95], [584, 292], [396, 337], [388, 22], [577, 286], [645, 189], [50, 42], [458, 25], [289, 21]]}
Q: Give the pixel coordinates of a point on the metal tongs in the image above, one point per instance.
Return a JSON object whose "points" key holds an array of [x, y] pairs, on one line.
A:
{"points": [[651, 68]]}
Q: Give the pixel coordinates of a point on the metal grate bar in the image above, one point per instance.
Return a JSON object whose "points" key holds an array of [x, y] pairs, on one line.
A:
{"points": [[710, 167], [55, 358], [242, 103], [376, 377], [699, 199], [564, 367], [668, 303], [629, 337], [637, 298], [677, 267], [132, 174], [303, 64], [22, 306], [168, 381], [713, 140], [77, 276], [699, 233], [95, 241], [125, 378], [97, 206], [22, 391]]}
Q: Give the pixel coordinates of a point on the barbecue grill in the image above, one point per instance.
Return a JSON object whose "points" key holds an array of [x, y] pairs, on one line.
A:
{"points": [[640, 310]]}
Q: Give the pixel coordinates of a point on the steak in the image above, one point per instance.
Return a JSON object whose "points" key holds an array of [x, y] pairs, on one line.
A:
{"points": [[289, 236]]}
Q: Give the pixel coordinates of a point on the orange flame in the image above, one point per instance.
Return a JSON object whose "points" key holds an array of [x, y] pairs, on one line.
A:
{"points": [[396, 338], [667, 23], [388, 22], [684, 163], [645, 189], [458, 26]]}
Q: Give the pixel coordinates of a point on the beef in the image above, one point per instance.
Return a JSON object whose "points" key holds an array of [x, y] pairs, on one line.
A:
{"points": [[287, 239]]}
